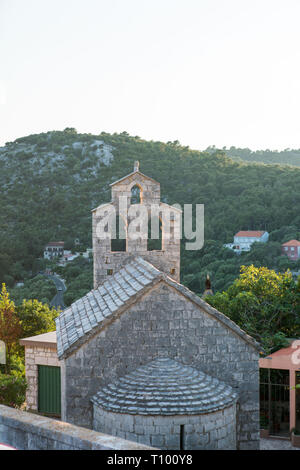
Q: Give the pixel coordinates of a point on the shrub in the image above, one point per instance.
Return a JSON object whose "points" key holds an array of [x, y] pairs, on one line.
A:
{"points": [[12, 390], [296, 431]]}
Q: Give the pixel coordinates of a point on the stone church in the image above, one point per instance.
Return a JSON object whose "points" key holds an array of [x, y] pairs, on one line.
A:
{"points": [[144, 358]]}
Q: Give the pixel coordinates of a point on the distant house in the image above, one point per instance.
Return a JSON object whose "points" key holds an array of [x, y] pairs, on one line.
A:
{"points": [[54, 250], [19, 284], [67, 256], [244, 239], [291, 249], [88, 253]]}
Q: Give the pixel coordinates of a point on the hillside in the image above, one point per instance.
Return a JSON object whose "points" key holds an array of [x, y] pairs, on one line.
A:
{"points": [[51, 181], [268, 157]]}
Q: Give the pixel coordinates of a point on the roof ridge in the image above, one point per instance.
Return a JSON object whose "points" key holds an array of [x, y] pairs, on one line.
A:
{"points": [[134, 280], [153, 269], [146, 274], [212, 311], [133, 173]]}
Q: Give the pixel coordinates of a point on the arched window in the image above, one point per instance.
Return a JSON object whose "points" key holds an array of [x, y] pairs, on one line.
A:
{"points": [[118, 243], [155, 226], [136, 195]]}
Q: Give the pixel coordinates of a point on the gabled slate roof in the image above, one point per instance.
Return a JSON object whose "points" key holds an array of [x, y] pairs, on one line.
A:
{"points": [[92, 309], [165, 387], [88, 315]]}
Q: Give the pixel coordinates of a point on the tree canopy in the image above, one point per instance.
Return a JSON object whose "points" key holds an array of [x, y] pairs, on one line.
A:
{"points": [[264, 303]]}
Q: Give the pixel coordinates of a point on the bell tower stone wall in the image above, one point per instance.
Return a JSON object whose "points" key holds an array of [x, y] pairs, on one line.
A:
{"points": [[106, 261]]}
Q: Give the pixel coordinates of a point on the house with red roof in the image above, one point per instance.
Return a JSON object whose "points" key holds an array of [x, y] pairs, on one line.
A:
{"points": [[291, 249], [244, 239]]}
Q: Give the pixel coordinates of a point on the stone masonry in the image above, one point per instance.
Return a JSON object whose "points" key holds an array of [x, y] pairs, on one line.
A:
{"points": [[29, 431], [213, 431], [167, 404], [138, 312], [167, 259], [164, 322], [37, 353]]}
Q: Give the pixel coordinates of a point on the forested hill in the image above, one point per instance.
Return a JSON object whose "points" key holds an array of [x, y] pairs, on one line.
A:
{"points": [[51, 181], [270, 157]]}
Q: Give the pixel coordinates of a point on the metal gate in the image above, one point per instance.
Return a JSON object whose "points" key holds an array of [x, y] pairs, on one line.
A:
{"points": [[275, 401], [49, 390]]}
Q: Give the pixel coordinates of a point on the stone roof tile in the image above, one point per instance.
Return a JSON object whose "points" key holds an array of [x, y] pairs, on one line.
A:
{"points": [[88, 312], [165, 387]]}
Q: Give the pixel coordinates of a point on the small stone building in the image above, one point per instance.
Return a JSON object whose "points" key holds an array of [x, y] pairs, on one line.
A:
{"points": [[41, 360], [139, 320]]}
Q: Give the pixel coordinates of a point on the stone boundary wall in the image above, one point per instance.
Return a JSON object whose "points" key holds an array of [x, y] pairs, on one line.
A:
{"points": [[27, 431], [211, 431]]}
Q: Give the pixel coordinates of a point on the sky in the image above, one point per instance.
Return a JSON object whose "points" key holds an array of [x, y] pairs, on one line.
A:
{"points": [[204, 72]]}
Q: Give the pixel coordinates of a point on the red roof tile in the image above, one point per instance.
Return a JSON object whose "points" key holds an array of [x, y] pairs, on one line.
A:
{"points": [[249, 233], [55, 244], [291, 243]]}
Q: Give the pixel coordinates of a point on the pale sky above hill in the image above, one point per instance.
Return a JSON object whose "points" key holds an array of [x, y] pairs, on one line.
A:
{"points": [[204, 72]]}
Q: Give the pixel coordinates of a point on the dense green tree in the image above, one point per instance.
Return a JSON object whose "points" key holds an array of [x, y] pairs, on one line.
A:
{"points": [[36, 318], [40, 288], [10, 326], [266, 304], [51, 181]]}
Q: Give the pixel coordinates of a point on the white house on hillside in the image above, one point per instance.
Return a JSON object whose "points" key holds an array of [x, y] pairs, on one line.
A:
{"points": [[54, 250], [243, 240]]}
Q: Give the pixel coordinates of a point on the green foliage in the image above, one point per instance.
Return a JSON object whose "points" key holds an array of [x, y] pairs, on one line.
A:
{"points": [[223, 264], [296, 431], [79, 279], [264, 421], [12, 390], [40, 288], [264, 303], [17, 363], [36, 318], [51, 181], [284, 157], [10, 326]]}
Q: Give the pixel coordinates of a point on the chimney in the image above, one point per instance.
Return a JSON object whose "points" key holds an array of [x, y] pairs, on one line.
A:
{"points": [[136, 166], [208, 288]]}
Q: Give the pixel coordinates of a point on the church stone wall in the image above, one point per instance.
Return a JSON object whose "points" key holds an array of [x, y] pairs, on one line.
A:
{"points": [[212, 431], [165, 323]]}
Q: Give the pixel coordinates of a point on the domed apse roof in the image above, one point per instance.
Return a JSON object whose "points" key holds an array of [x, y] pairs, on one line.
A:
{"points": [[165, 387]]}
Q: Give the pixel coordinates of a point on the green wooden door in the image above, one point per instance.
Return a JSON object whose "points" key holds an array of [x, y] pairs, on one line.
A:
{"points": [[49, 392]]}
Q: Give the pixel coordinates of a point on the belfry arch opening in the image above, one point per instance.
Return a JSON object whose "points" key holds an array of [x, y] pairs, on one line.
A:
{"points": [[154, 228], [136, 194], [118, 240]]}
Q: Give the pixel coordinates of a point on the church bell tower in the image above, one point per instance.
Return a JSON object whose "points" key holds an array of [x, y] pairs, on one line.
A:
{"points": [[110, 254]]}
